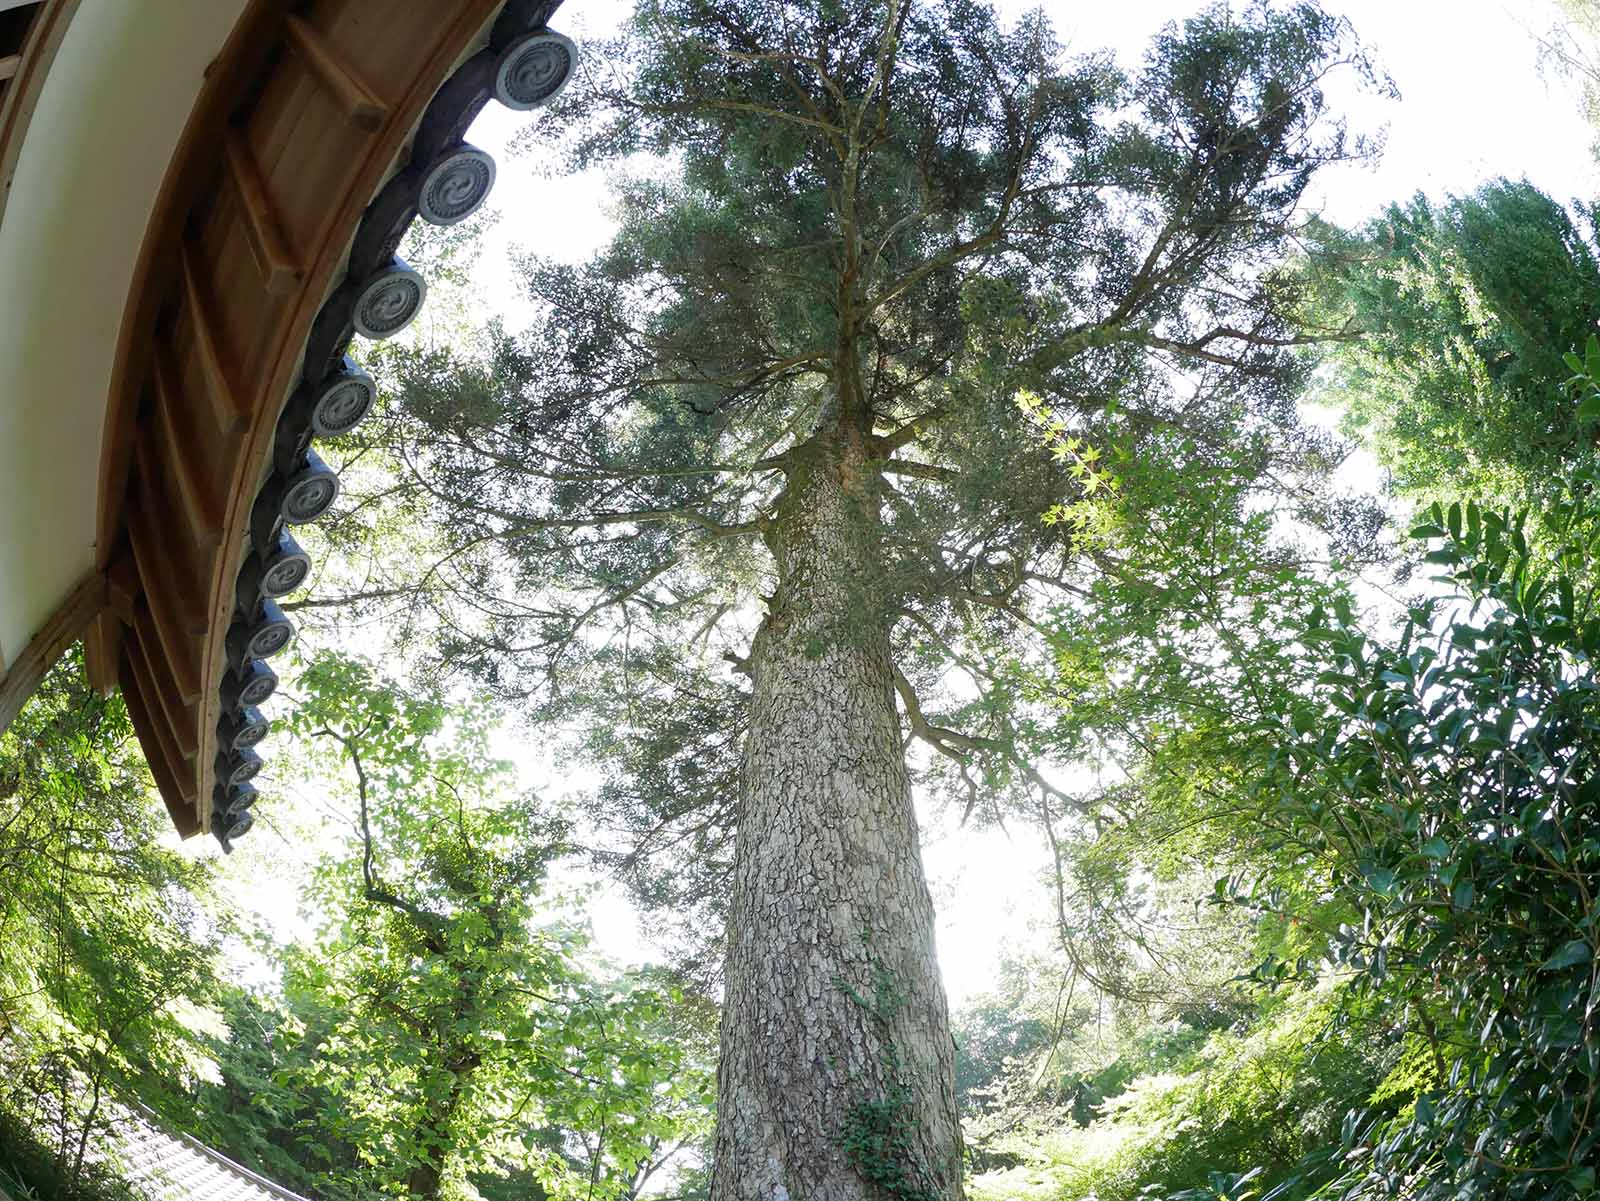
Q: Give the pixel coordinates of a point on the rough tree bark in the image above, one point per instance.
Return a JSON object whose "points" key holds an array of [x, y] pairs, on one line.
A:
{"points": [[836, 1080]]}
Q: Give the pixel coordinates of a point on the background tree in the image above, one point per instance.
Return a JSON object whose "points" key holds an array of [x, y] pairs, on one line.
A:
{"points": [[1444, 786], [266, 1108], [1402, 817], [773, 426], [1572, 48], [442, 1026], [105, 948], [1467, 309], [1184, 642]]}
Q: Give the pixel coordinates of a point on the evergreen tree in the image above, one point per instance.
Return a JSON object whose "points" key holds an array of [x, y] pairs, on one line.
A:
{"points": [[1467, 309], [755, 486]]}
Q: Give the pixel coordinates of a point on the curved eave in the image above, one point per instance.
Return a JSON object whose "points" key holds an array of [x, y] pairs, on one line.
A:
{"points": [[262, 227]]}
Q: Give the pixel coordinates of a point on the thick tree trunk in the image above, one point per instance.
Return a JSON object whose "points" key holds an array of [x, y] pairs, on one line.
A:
{"points": [[837, 1066], [436, 1131], [424, 1182]]}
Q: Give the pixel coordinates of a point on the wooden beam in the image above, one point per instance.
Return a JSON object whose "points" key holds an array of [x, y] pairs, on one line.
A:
{"points": [[123, 586], [280, 270], [225, 401], [176, 791], [65, 626], [158, 286], [176, 631], [167, 744], [151, 668], [102, 647], [21, 99], [158, 492], [182, 455], [348, 90], [102, 650]]}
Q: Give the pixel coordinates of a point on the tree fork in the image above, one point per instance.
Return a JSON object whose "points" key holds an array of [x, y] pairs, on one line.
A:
{"points": [[831, 910]]}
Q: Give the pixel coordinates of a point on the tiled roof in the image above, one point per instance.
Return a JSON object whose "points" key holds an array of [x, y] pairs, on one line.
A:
{"points": [[169, 1167]]}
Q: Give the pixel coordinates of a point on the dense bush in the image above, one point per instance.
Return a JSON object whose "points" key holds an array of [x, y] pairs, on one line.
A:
{"points": [[1256, 1099], [1445, 784], [1427, 808]]}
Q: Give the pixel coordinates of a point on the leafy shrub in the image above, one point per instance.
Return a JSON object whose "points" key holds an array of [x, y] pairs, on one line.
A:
{"points": [[1445, 783], [1259, 1099], [30, 1170]]}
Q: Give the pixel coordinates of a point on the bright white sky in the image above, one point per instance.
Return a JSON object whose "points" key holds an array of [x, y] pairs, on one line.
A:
{"points": [[1473, 105]]}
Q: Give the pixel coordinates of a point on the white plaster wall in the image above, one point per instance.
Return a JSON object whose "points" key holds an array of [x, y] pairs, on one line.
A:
{"points": [[108, 118]]}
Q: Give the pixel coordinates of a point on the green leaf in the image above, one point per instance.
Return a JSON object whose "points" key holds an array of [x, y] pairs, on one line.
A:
{"points": [[1575, 952]]}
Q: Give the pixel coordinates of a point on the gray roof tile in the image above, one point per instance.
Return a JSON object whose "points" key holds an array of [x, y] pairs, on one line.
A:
{"points": [[167, 1167]]}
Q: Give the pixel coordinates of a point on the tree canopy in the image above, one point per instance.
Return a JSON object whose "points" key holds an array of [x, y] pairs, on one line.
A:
{"points": [[927, 441], [1467, 309], [996, 217]]}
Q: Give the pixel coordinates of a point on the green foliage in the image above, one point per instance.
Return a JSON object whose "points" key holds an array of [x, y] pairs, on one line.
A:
{"points": [[1182, 635], [878, 1139], [1082, 1047], [896, 259], [1572, 47], [445, 1026], [1250, 1102], [1466, 309], [32, 1170], [104, 948], [1445, 785], [878, 1133], [1414, 811], [263, 1109], [1417, 812], [992, 1034], [874, 246]]}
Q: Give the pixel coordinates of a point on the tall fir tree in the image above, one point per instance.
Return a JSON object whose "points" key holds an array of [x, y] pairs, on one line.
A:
{"points": [[755, 485]]}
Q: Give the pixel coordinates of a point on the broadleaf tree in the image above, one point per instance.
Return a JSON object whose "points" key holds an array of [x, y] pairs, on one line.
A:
{"points": [[1441, 786], [446, 1009], [753, 489], [107, 951]]}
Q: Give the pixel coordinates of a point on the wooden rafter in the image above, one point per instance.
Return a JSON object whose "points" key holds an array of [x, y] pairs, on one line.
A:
{"points": [[301, 119]]}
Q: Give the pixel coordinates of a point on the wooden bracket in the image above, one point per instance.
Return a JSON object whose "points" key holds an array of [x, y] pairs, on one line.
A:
{"points": [[280, 270], [360, 105], [65, 626]]}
